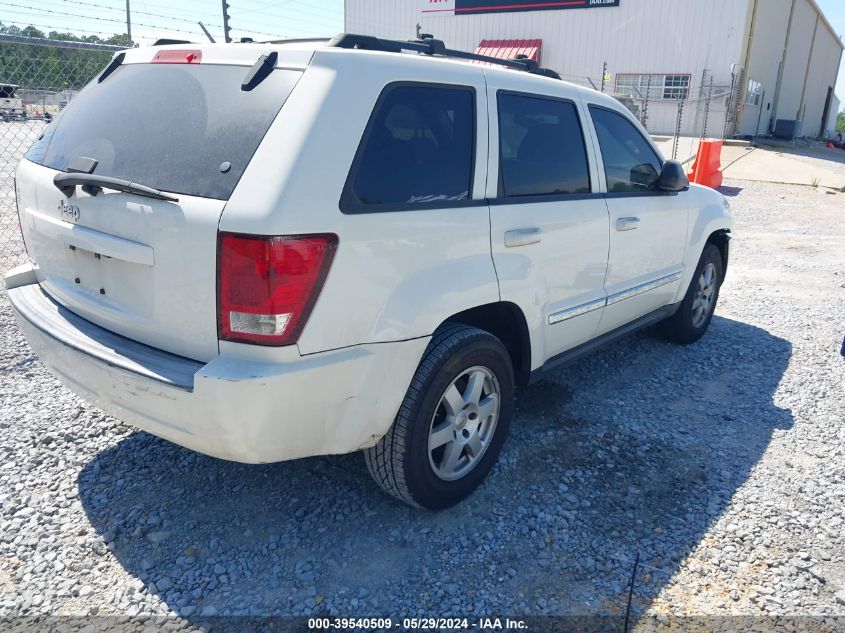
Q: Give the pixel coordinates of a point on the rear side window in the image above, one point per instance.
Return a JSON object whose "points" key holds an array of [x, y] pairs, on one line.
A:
{"points": [[182, 128], [541, 147], [418, 149], [630, 164]]}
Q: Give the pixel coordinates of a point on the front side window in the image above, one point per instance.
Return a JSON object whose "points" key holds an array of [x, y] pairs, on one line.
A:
{"points": [[630, 163], [418, 149], [541, 147]]}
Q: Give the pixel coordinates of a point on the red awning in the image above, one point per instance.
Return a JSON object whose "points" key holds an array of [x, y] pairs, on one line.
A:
{"points": [[509, 49]]}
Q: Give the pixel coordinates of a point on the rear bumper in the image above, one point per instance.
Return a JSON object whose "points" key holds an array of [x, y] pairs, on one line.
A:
{"points": [[232, 408]]}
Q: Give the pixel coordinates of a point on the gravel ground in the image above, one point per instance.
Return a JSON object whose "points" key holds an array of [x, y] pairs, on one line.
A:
{"points": [[721, 465]]}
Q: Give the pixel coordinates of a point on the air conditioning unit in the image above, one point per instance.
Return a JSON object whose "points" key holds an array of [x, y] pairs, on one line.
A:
{"points": [[787, 128]]}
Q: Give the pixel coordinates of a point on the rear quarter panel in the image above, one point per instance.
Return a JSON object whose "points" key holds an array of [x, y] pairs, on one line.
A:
{"points": [[397, 275]]}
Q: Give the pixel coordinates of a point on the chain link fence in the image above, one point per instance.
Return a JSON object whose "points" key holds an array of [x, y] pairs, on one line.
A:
{"points": [[678, 108], [38, 78], [707, 108]]}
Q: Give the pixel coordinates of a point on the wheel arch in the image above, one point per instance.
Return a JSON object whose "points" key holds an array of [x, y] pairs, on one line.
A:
{"points": [[505, 321], [721, 240]]}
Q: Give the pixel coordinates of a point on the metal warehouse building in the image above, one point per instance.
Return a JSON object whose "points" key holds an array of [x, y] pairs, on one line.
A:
{"points": [[709, 68]]}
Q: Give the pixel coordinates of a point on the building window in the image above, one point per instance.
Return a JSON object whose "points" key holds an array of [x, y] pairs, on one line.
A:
{"points": [[755, 93], [654, 87]]}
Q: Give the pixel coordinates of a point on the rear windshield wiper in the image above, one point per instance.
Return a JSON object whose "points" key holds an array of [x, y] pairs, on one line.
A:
{"points": [[93, 184]]}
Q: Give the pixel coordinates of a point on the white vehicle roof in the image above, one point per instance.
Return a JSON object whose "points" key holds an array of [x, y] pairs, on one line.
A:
{"points": [[297, 54]]}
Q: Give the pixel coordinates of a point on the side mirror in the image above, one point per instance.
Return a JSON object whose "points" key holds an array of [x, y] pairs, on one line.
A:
{"points": [[672, 177]]}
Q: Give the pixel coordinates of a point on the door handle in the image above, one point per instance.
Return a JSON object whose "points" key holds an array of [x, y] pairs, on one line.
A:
{"points": [[627, 224], [522, 237]]}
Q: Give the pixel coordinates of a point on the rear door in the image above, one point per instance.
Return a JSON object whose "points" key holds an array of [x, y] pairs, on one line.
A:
{"points": [[648, 227], [142, 267], [549, 226]]}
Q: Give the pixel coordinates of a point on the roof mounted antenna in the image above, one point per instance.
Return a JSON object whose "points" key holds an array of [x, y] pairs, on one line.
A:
{"points": [[435, 46]]}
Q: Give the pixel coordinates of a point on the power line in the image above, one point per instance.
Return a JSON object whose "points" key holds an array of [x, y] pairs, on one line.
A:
{"points": [[321, 21], [147, 13], [116, 21], [135, 12], [160, 15], [265, 6], [326, 11], [299, 24], [240, 12], [55, 29], [91, 17]]}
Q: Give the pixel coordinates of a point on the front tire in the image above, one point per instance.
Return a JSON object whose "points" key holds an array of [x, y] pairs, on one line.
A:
{"points": [[693, 317], [452, 423]]}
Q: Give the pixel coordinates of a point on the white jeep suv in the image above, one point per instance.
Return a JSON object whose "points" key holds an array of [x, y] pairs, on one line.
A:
{"points": [[268, 251]]}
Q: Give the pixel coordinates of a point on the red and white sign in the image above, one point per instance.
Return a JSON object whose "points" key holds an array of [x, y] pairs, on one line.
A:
{"points": [[437, 6]]}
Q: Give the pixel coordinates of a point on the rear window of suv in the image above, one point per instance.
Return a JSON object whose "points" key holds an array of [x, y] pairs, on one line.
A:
{"points": [[181, 128]]}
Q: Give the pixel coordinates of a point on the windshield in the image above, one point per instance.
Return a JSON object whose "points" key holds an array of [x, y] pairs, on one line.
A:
{"points": [[182, 128]]}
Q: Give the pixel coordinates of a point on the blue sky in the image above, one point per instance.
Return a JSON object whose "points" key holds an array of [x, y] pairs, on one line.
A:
{"points": [[257, 18], [154, 18]]}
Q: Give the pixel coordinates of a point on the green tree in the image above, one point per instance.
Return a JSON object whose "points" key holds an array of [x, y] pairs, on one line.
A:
{"points": [[49, 67], [840, 122]]}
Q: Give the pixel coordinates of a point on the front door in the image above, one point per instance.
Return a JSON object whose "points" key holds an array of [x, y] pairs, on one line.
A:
{"points": [[648, 228]]}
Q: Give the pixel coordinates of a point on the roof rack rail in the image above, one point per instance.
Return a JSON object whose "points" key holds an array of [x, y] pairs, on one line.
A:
{"points": [[428, 45], [301, 40]]}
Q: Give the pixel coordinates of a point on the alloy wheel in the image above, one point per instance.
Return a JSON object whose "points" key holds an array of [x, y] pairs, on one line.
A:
{"points": [[705, 296], [464, 423]]}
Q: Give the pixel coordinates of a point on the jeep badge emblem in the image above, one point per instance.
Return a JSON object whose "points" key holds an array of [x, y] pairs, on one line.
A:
{"points": [[69, 211]]}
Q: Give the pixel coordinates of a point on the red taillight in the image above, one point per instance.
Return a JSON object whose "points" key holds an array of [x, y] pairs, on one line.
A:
{"points": [[267, 286]]}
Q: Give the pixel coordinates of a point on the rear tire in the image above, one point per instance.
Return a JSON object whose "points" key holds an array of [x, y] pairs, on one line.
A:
{"points": [[693, 317], [452, 423]]}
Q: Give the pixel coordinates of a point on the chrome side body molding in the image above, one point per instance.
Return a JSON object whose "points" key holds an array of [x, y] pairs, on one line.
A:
{"points": [[571, 313], [640, 289], [584, 308]]}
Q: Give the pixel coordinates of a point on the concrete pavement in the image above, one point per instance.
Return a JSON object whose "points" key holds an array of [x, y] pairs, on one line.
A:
{"points": [[789, 164]]}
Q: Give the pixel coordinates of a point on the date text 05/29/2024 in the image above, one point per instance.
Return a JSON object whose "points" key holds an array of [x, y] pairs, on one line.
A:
{"points": [[417, 624]]}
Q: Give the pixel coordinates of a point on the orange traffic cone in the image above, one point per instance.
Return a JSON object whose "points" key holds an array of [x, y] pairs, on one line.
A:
{"points": [[706, 170]]}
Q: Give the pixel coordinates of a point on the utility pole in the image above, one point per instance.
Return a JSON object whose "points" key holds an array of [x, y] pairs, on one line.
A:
{"points": [[603, 76], [128, 24], [226, 37]]}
